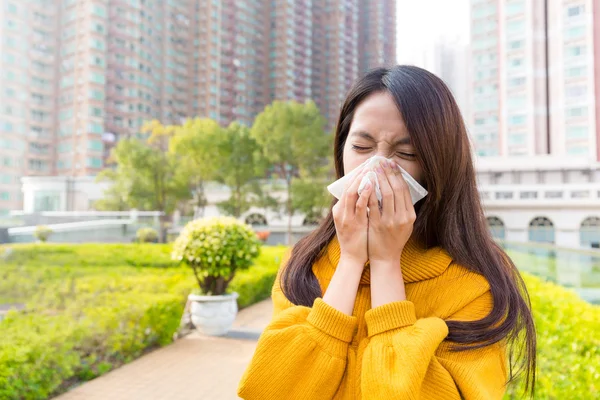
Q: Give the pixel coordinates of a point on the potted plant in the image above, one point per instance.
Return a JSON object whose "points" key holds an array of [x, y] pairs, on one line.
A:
{"points": [[215, 249]]}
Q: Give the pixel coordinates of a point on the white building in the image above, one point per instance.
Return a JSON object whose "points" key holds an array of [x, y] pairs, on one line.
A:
{"points": [[542, 199]]}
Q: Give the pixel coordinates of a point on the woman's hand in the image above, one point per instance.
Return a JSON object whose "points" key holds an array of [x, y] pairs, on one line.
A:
{"points": [[391, 225], [389, 230], [351, 222]]}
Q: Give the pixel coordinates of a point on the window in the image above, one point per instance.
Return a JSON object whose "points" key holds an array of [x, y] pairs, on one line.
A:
{"points": [[520, 81], [516, 7], [97, 44], [517, 119], [575, 51], [577, 132], [574, 32], [5, 196], [97, 94], [516, 62], [516, 102], [96, 112], [98, 78], [94, 127], [575, 71], [576, 91], [99, 10], [516, 139], [578, 150], [516, 44], [577, 112], [96, 145], [515, 26], [574, 11]]}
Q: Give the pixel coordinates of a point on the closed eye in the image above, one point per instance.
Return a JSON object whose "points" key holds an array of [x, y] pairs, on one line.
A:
{"points": [[360, 148], [406, 155]]}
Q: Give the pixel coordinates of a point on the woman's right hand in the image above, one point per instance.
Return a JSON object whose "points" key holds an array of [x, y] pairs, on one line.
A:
{"points": [[351, 221]]}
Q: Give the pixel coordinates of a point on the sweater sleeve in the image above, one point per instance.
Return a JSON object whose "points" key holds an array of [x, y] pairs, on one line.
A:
{"points": [[407, 357], [301, 354]]}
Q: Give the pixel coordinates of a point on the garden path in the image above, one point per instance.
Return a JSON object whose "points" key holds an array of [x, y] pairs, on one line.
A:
{"points": [[194, 367]]}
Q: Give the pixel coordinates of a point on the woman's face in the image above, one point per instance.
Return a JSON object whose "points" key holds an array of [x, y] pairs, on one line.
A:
{"points": [[378, 130]]}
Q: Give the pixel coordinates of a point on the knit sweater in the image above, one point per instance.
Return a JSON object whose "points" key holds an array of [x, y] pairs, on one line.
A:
{"points": [[393, 351]]}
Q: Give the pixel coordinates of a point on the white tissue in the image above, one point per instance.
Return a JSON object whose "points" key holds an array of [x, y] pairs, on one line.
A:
{"points": [[417, 192]]}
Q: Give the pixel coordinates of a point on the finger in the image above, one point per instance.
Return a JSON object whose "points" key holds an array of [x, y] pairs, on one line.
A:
{"points": [[398, 185], [387, 194], [410, 208], [363, 201], [374, 211], [351, 195]]}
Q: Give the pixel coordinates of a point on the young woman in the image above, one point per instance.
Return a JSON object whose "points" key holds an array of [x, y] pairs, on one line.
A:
{"points": [[402, 302]]}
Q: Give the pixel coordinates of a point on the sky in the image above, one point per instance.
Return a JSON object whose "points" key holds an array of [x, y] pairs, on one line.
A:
{"points": [[421, 22]]}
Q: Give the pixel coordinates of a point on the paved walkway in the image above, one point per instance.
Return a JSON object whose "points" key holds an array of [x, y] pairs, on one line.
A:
{"points": [[193, 368]]}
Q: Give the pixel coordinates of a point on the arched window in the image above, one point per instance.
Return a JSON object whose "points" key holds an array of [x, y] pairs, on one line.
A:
{"points": [[541, 230], [589, 233], [496, 226], [256, 220]]}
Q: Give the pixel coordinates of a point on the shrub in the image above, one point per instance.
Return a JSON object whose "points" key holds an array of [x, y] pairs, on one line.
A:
{"points": [[147, 235], [42, 233], [255, 284], [215, 249], [91, 308], [568, 339]]}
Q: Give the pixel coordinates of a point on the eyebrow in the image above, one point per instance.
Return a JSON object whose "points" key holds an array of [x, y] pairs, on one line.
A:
{"points": [[368, 136]]}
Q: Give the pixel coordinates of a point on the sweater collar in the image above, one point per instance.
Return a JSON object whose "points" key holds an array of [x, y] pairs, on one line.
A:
{"points": [[417, 262]]}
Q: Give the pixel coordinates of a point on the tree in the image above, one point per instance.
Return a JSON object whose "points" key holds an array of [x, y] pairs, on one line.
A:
{"points": [[194, 144], [293, 140], [239, 165], [115, 196], [146, 178]]}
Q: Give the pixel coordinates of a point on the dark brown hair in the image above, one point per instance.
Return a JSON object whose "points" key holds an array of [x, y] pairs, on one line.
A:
{"points": [[451, 216]]}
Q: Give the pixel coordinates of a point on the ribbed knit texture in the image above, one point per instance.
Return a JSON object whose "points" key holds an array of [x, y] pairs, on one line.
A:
{"points": [[395, 351]]}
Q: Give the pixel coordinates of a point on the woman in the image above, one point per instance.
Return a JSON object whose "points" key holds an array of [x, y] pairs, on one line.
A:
{"points": [[399, 302]]}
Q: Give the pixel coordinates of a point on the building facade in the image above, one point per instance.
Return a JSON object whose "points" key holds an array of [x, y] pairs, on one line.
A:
{"points": [[77, 75], [535, 69]]}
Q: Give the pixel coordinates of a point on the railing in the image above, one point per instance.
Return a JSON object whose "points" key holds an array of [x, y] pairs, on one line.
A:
{"points": [[540, 194]]}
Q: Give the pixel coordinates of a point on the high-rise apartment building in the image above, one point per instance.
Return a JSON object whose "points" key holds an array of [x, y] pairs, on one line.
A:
{"points": [[77, 75], [28, 89], [535, 77]]}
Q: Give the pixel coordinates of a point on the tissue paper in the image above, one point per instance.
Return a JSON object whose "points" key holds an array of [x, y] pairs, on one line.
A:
{"points": [[417, 192]]}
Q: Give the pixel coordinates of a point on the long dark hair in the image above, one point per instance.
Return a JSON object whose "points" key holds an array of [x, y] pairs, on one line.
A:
{"points": [[451, 216]]}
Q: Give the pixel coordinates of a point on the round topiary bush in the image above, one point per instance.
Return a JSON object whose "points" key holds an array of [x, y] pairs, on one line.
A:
{"points": [[42, 233], [216, 248], [147, 235]]}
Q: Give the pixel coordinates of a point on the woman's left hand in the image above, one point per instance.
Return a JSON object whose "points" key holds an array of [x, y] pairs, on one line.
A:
{"points": [[391, 226]]}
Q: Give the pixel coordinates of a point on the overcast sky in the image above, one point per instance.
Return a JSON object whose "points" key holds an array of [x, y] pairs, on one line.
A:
{"points": [[420, 22]]}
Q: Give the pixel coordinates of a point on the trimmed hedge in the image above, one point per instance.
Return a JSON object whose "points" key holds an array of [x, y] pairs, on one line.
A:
{"points": [[255, 284], [91, 308], [568, 339]]}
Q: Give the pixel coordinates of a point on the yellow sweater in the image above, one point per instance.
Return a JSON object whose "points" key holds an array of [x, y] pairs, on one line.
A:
{"points": [[394, 351]]}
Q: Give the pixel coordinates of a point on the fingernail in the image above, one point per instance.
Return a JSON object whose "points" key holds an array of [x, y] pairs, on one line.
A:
{"points": [[368, 186], [391, 164], [379, 170]]}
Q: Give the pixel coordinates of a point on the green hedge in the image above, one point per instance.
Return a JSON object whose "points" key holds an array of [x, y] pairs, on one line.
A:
{"points": [[90, 308], [568, 338], [255, 284]]}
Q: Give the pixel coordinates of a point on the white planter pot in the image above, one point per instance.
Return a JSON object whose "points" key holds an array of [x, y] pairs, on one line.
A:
{"points": [[213, 315]]}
